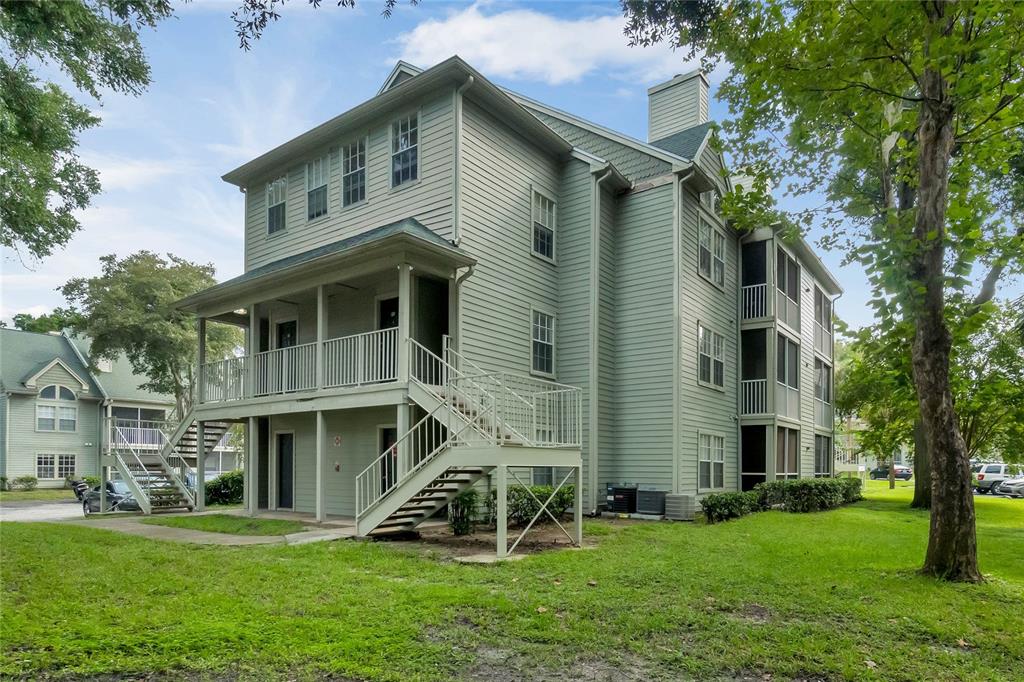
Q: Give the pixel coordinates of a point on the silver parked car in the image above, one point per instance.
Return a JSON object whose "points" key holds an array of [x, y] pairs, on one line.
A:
{"points": [[1011, 487], [991, 474]]}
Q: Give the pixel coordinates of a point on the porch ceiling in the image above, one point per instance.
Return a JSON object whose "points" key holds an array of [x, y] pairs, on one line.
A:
{"points": [[404, 241]]}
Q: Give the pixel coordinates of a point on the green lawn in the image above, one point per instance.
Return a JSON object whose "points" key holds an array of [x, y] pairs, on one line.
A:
{"points": [[832, 595], [37, 495], [226, 523]]}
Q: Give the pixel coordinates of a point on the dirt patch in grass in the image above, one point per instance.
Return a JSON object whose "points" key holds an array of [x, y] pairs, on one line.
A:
{"points": [[439, 539], [504, 665]]}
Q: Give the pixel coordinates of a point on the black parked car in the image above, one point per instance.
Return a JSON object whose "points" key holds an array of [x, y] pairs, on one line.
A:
{"points": [[119, 498], [903, 473]]}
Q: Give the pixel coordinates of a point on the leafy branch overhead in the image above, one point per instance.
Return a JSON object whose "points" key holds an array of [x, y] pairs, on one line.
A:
{"points": [[253, 16]]}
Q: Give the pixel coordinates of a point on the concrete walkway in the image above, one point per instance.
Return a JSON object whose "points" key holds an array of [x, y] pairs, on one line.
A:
{"points": [[132, 525], [39, 510]]}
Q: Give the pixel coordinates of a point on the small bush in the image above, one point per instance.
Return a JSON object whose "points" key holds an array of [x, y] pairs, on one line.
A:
{"points": [[91, 481], [3, 483], [719, 507], [813, 494], [226, 488], [851, 489], [522, 507], [462, 512], [24, 483], [771, 494]]}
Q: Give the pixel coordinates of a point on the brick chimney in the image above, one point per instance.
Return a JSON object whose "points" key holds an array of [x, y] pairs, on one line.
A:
{"points": [[677, 104]]}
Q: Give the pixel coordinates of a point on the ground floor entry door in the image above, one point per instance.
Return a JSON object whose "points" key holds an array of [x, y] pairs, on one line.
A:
{"points": [[388, 472], [285, 470]]}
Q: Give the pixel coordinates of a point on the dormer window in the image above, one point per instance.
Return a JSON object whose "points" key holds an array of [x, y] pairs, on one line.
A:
{"points": [[353, 173], [405, 150], [51, 414], [277, 191], [316, 188]]}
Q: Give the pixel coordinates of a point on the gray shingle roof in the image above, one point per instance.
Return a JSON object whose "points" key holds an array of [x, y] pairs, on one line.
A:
{"points": [[22, 354], [121, 382], [687, 142]]}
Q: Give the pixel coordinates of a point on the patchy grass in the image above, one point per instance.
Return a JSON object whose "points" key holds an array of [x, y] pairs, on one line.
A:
{"points": [[833, 595], [37, 495], [227, 523]]}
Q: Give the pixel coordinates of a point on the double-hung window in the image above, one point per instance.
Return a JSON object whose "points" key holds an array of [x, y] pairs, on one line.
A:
{"points": [[277, 192], [543, 340], [56, 415], [316, 187], [788, 362], [712, 461], [822, 310], [787, 451], [710, 252], [543, 226], [822, 382], [710, 357], [404, 150], [353, 173], [822, 457], [46, 466]]}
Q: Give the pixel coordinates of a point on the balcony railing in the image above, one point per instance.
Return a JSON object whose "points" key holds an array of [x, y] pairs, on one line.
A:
{"points": [[754, 396], [755, 301], [367, 358]]}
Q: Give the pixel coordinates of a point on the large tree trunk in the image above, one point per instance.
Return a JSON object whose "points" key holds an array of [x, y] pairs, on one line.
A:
{"points": [[952, 545], [922, 469]]}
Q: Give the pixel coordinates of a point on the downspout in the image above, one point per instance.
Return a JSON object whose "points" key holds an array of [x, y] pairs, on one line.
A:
{"points": [[7, 431], [103, 430], [457, 164], [593, 405], [677, 273], [458, 301]]}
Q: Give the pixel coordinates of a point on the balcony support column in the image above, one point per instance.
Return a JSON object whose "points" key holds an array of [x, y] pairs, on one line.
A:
{"points": [[501, 513], [252, 340], [201, 361], [404, 321], [321, 456], [252, 467], [200, 465], [321, 332]]}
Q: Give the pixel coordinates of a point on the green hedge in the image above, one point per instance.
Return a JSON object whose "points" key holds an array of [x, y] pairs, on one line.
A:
{"points": [[798, 496], [226, 488], [522, 507]]}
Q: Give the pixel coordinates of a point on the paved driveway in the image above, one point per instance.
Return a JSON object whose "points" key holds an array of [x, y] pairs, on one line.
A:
{"points": [[40, 511]]}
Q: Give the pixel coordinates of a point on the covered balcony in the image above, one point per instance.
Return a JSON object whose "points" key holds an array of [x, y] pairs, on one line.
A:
{"points": [[334, 320]]}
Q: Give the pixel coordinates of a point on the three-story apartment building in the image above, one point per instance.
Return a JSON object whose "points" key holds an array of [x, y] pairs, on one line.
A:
{"points": [[451, 282]]}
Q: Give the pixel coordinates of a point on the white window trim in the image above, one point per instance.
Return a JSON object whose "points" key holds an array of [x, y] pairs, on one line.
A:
{"points": [[325, 161], [799, 351], [55, 403], [391, 150], [365, 140], [715, 229], [553, 258], [712, 435], [554, 342], [267, 206], [711, 330], [37, 473]]}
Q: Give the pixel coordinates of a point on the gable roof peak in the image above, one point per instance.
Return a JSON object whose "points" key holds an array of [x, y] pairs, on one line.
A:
{"points": [[403, 71]]}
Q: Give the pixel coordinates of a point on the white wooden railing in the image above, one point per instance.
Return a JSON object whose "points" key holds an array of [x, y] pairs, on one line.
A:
{"points": [[224, 380], [755, 301], [368, 358], [137, 434], [754, 396], [285, 370]]}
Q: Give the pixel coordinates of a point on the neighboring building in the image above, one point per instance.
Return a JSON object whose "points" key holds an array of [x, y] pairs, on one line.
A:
{"points": [[53, 408], [851, 457], [421, 268]]}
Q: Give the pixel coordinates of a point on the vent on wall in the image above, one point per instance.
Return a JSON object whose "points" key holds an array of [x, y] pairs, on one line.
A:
{"points": [[680, 507]]}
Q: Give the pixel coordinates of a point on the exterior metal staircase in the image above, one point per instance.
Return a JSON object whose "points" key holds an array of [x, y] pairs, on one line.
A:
{"points": [[473, 419]]}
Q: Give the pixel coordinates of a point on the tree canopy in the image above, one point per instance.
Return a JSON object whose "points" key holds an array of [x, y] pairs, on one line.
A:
{"points": [[95, 43], [129, 308]]}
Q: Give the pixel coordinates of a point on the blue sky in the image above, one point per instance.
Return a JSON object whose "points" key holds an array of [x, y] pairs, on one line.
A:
{"points": [[212, 106]]}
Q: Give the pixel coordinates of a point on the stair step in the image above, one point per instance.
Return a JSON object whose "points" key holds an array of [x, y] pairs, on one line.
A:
{"points": [[395, 523]]}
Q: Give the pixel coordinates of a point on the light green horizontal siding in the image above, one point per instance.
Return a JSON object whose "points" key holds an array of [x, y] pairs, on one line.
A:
{"points": [[25, 442], [429, 199], [677, 108], [607, 352]]}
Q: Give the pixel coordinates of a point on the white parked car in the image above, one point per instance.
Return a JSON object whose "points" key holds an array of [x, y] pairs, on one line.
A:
{"points": [[992, 474], [1011, 487]]}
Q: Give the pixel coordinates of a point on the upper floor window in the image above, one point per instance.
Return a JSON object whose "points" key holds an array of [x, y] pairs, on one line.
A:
{"points": [[822, 381], [55, 416], [710, 252], [787, 451], [353, 173], [788, 362], [543, 339], [316, 187], [787, 276], [404, 150], [822, 310], [711, 357], [711, 450], [277, 192], [543, 226]]}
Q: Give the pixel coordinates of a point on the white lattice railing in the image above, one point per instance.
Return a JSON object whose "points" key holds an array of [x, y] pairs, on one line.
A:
{"points": [[224, 380], [754, 396], [755, 301]]}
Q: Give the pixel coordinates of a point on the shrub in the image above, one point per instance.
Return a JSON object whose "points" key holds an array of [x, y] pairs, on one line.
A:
{"points": [[522, 507], [3, 483], [91, 481], [851, 489], [462, 511], [226, 488], [719, 507], [813, 494], [24, 483], [771, 494]]}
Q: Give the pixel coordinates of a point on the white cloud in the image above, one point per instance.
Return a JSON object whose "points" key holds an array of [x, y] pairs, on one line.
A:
{"points": [[123, 172], [529, 45]]}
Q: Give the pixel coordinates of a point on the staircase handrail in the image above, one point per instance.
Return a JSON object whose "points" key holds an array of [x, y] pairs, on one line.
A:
{"points": [[178, 474]]}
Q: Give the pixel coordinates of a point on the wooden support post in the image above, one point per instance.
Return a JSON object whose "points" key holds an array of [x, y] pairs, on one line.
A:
{"points": [[252, 466], [321, 476], [577, 507], [501, 486], [200, 465], [104, 470], [403, 422], [201, 360], [253, 339], [321, 332], [404, 320]]}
